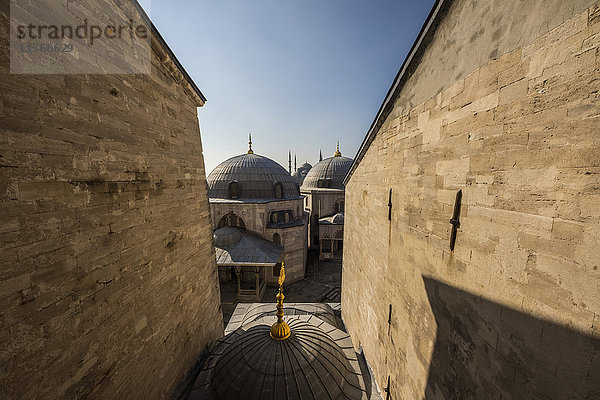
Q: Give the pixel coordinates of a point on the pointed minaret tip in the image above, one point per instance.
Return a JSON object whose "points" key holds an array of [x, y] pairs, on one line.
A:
{"points": [[250, 144], [320, 155]]}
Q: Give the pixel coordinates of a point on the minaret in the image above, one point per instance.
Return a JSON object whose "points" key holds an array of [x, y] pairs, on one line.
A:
{"points": [[280, 330], [320, 155], [295, 164], [250, 144], [290, 162], [337, 150]]}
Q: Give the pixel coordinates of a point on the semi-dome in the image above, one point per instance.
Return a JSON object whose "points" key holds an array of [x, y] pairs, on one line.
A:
{"points": [[251, 176], [226, 236], [310, 364], [329, 173], [301, 173]]}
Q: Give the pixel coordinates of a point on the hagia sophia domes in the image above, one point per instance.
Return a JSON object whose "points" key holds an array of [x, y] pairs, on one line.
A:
{"points": [[256, 177], [329, 173]]}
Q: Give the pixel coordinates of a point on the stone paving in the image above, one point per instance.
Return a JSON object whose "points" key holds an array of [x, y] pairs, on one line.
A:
{"points": [[321, 285]]}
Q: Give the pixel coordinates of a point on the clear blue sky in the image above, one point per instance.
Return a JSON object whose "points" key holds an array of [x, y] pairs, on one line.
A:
{"points": [[296, 74]]}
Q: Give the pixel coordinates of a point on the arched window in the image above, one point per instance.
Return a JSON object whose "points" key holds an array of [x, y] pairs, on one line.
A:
{"points": [[274, 217], [234, 190], [231, 220], [288, 217], [276, 238], [327, 183], [278, 190]]}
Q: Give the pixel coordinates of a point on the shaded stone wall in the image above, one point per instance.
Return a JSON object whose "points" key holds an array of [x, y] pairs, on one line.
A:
{"points": [[514, 311], [108, 280], [322, 200]]}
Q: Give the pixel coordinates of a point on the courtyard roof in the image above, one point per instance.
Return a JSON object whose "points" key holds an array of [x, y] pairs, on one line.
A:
{"points": [[247, 250]]}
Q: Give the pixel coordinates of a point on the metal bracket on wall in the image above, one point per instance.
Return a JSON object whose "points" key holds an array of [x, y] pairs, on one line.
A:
{"points": [[388, 396], [455, 221], [390, 206], [390, 321]]}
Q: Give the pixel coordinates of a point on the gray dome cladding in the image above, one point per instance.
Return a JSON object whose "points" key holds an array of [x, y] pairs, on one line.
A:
{"points": [[334, 168], [256, 176], [308, 365]]}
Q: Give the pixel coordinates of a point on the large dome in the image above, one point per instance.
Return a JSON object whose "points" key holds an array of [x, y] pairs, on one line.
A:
{"points": [[250, 176], [329, 173], [248, 364]]}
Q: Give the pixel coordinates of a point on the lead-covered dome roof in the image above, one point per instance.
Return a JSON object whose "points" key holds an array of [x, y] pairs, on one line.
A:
{"points": [[251, 176], [329, 173], [311, 364], [226, 236]]}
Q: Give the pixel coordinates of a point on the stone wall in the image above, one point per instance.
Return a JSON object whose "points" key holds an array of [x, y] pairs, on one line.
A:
{"points": [[108, 280], [321, 201], [513, 312]]}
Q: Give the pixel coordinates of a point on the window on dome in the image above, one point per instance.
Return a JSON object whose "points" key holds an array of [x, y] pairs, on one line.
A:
{"points": [[234, 190], [278, 190], [320, 183], [328, 183]]}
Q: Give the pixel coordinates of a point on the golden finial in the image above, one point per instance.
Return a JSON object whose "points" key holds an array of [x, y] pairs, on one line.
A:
{"points": [[337, 151], [250, 144], [280, 329]]}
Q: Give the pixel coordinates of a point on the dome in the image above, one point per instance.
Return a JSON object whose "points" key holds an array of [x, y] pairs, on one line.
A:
{"points": [[337, 219], [309, 364], [329, 173], [251, 176], [306, 166], [226, 236]]}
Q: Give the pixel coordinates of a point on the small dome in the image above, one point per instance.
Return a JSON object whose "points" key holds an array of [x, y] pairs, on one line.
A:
{"points": [[226, 236], [306, 166], [337, 219], [251, 176], [329, 173], [307, 365]]}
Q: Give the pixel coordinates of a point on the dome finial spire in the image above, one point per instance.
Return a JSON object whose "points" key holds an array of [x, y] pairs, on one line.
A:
{"points": [[250, 144], [337, 151], [280, 329]]}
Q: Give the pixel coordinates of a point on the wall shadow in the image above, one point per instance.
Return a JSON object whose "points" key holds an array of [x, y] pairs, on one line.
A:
{"points": [[484, 350]]}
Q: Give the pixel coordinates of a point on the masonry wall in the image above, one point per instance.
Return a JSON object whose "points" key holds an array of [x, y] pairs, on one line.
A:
{"points": [[514, 311], [321, 201], [108, 280]]}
